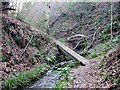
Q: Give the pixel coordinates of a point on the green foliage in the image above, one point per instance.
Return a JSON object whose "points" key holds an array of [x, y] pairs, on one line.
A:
{"points": [[60, 85], [116, 39], [104, 35], [65, 70], [98, 50], [62, 40], [39, 52], [106, 76], [115, 17], [116, 24], [115, 80], [33, 61], [23, 78], [66, 79], [93, 54], [50, 59]]}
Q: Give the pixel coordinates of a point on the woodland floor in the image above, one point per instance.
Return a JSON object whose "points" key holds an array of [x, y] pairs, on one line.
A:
{"points": [[87, 76]]}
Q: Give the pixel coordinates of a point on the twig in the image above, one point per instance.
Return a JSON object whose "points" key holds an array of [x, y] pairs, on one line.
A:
{"points": [[27, 45], [94, 37], [77, 45]]}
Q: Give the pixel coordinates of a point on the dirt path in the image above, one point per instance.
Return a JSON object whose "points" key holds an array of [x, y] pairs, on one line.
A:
{"points": [[86, 76]]}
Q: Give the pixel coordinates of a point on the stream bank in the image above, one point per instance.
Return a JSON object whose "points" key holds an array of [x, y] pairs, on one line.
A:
{"points": [[56, 74]]}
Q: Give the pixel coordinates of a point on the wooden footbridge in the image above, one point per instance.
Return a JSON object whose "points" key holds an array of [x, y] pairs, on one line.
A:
{"points": [[71, 52]]}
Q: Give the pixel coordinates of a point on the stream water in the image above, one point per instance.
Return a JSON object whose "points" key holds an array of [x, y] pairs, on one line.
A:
{"points": [[48, 81], [51, 77]]}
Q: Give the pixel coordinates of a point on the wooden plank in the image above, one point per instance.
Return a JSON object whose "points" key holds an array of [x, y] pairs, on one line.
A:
{"points": [[71, 52]]}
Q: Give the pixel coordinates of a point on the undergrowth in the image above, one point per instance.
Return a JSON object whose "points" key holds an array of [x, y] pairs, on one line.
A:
{"points": [[24, 78], [97, 51], [66, 79]]}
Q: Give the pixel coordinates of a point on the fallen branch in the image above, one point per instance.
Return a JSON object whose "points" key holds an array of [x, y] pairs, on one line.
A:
{"points": [[27, 45], [94, 37], [77, 35], [77, 45]]}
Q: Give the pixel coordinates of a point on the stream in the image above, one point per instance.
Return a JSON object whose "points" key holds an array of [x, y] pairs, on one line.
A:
{"points": [[48, 81], [52, 76]]}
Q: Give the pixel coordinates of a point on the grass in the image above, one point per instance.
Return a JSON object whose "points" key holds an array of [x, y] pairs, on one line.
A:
{"points": [[24, 78], [98, 50]]}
